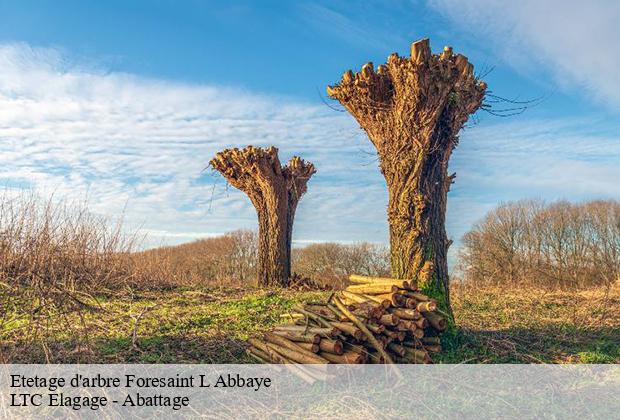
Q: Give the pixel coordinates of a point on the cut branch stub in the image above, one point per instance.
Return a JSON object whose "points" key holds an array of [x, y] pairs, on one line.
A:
{"points": [[275, 191], [411, 94], [412, 109]]}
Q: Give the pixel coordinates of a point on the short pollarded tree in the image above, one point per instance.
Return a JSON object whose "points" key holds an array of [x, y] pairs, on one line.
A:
{"points": [[412, 109], [275, 191]]}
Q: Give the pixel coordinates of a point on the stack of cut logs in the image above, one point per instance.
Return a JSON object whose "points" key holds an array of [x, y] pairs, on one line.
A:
{"points": [[375, 320]]}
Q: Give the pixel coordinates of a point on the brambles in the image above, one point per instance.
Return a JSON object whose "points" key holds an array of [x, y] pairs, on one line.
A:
{"points": [[55, 258], [275, 191], [412, 110]]}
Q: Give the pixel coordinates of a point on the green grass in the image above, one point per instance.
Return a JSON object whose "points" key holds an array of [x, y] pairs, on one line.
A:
{"points": [[180, 326], [500, 325], [211, 326]]}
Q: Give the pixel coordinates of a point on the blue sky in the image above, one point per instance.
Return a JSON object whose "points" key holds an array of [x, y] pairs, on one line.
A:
{"points": [[124, 102]]}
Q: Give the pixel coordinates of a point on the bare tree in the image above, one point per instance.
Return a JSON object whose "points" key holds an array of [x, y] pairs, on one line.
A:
{"points": [[412, 110], [332, 263], [275, 191], [558, 245], [229, 259]]}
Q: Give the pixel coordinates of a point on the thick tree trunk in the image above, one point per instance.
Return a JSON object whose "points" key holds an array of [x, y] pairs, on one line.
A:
{"points": [[273, 254], [275, 192], [412, 109], [416, 218]]}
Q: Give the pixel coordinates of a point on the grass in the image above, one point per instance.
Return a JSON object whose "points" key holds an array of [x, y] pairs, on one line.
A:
{"points": [[72, 291], [195, 325], [176, 326], [500, 325]]}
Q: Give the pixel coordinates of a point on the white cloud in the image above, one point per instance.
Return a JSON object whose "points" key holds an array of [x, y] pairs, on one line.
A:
{"points": [[577, 41], [140, 146], [143, 144], [549, 159], [353, 25]]}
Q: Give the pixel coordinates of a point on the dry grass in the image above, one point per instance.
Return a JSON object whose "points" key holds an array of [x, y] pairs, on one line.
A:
{"points": [[71, 290], [57, 261], [530, 325], [173, 326], [198, 325]]}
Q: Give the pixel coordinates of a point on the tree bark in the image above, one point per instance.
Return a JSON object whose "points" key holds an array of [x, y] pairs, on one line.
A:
{"points": [[275, 191], [412, 109], [416, 219]]}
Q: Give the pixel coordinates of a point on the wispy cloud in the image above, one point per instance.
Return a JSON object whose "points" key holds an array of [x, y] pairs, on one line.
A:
{"points": [[143, 144], [355, 28], [572, 159], [578, 42], [140, 146]]}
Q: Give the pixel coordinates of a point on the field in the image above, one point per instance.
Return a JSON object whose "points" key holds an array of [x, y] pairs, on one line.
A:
{"points": [[197, 325]]}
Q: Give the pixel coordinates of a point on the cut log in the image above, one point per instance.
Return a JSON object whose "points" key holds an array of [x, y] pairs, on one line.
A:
{"points": [[259, 355], [437, 321], [293, 351], [431, 340], [311, 347], [368, 328], [396, 335], [406, 325], [434, 348], [418, 333], [398, 349], [362, 327], [398, 300], [354, 296], [419, 296], [349, 329], [376, 329], [410, 314], [378, 288], [274, 356], [355, 278], [349, 357], [330, 332], [421, 323], [304, 357], [389, 320], [369, 354], [411, 303], [377, 312], [419, 356], [299, 336], [386, 302], [428, 306], [331, 346]]}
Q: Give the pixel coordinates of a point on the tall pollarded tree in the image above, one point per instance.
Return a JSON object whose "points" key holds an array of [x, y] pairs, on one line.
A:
{"points": [[275, 191], [412, 109]]}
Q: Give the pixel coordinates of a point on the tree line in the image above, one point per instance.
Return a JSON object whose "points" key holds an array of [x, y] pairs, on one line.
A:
{"points": [[556, 245], [232, 259]]}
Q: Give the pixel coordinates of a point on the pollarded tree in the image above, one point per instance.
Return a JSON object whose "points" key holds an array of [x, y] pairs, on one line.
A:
{"points": [[412, 109], [275, 191]]}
